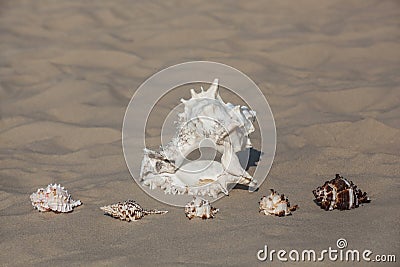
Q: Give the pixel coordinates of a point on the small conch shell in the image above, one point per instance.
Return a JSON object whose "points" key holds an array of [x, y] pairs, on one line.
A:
{"points": [[53, 198], [200, 207], [276, 204], [128, 211], [339, 193]]}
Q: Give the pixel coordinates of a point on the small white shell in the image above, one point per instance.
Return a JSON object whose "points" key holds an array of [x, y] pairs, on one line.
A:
{"points": [[53, 198], [128, 211], [276, 204], [200, 207]]}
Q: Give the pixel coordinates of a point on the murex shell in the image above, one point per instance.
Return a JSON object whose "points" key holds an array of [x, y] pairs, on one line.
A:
{"points": [[339, 193], [200, 207], [53, 198], [206, 117], [275, 204], [128, 210]]}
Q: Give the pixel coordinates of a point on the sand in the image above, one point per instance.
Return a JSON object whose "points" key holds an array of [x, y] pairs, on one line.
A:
{"points": [[68, 69]]}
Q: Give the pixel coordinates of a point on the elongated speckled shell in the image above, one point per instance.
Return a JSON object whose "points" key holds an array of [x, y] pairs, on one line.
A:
{"points": [[128, 210]]}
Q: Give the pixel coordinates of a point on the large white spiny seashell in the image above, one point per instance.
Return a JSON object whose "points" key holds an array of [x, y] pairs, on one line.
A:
{"points": [[53, 198], [205, 117], [128, 210], [276, 204], [200, 207]]}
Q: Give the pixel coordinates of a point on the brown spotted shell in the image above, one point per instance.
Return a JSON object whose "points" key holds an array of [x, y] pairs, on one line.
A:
{"points": [[339, 193], [128, 210]]}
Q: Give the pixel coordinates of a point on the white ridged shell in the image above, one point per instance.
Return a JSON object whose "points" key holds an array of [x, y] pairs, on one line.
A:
{"points": [[275, 204], [53, 198], [200, 207]]}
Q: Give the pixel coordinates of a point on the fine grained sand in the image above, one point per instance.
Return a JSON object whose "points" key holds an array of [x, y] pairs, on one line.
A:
{"points": [[330, 71]]}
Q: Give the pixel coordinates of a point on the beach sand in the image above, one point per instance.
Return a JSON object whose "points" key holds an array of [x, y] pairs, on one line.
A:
{"points": [[330, 72]]}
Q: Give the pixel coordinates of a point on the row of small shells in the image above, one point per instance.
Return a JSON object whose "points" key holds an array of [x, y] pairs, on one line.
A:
{"points": [[338, 193]]}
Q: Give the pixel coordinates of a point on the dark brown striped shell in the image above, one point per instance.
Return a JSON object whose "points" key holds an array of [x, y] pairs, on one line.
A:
{"points": [[339, 193]]}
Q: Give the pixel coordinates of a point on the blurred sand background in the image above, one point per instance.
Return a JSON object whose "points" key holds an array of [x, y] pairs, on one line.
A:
{"points": [[330, 71]]}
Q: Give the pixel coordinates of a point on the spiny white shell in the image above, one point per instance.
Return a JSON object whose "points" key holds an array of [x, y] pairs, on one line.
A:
{"points": [[205, 116], [53, 198], [275, 204], [128, 210], [200, 207]]}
